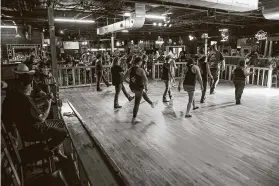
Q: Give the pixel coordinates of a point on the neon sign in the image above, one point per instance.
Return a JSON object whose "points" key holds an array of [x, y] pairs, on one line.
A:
{"points": [[261, 35]]}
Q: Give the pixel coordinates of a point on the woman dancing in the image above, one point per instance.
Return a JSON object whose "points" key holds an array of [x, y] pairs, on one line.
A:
{"points": [[189, 76]]}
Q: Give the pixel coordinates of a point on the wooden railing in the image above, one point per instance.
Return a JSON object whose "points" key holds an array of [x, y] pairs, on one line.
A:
{"points": [[79, 76], [93, 166], [233, 60], [261, 76], [85, 76]]}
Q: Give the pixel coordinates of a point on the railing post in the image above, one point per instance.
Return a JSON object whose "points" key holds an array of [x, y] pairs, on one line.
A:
{"points": [[153, 71], [230, 72], [269, 78]]}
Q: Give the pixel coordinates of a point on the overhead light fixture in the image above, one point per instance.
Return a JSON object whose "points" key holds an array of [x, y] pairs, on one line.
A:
{"points": [[127, 14], [154, 24], [73, 20], [170, 25], [17, 35], [125, 31], [191, 37], [165, 24], [8, 26], [61, 32], [155, 17], [160, 24]]}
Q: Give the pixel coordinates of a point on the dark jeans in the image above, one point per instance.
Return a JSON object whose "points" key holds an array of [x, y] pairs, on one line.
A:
{"points": [[54, 135], [138, 95], [100, 77], [239, 87], [213, 83], [204, 80], [167, 89], [118, 88]]}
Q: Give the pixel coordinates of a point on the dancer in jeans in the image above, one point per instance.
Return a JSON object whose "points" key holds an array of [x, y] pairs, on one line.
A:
{"points": [[216, 64], [239, 78], [205, 72], [117, 81], [167, 77], [189, 77], [138, 82], [99, 72]]}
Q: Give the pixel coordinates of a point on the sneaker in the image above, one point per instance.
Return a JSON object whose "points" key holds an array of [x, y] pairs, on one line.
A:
{"points": [[99, 90], [154, 104], [188, 116], [135, 121], [202, 101], [117, 107], [238, 103], [108, 85], [131, 98], [196, 108]]}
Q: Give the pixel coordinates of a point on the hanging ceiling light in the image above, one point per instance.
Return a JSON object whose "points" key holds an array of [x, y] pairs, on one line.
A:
{"points": [[127, 14], [170, 25], [125, 31], [165, 24], [160, 24], [73, 20], [154, 24], [191, 37], [8, 26], [149, 16]]}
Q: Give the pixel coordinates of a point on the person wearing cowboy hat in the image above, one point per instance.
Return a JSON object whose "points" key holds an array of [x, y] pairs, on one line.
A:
{"points": [[20, 109]]}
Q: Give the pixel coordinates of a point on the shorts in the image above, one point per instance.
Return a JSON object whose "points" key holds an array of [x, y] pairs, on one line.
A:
{"points": [[189, 88]]}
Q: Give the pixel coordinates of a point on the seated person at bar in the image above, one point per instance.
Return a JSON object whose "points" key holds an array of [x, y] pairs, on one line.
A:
{"points": [[253, 57], [20, 109]]}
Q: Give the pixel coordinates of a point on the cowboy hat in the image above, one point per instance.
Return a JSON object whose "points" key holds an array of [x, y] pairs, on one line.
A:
{"points": [[23, 69]]}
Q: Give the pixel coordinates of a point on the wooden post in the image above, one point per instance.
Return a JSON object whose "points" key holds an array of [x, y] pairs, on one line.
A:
{"points": [[270, 49], [269, 78], [266, 47], [153, 71], [205, 47], [52, 43], [42, 47], [112, 43]]}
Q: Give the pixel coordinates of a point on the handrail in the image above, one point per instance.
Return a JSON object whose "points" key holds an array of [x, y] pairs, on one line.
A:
{"points": [[84, 75], [262, 76], [93, 165]]}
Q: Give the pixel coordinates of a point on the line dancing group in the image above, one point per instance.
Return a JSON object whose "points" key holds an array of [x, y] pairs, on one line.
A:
{"points": [[209, 66]]}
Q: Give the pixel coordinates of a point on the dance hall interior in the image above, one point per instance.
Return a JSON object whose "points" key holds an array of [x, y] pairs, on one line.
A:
{"points": [[140, 93]]}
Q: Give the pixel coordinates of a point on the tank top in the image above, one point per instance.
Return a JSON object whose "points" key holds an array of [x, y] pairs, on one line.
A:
{"points": [[239, 74], [190, 77], [136, 81], [166, 71]]}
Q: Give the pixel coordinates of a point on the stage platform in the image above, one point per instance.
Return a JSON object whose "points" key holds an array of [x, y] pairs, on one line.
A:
{"points": [[223, 144]]}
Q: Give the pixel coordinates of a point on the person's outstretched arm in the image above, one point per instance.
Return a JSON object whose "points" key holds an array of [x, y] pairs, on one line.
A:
{"points": [[199, 76]]}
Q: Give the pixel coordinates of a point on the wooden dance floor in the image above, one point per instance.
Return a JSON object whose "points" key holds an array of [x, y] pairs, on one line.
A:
{"points": [[223, 144]]}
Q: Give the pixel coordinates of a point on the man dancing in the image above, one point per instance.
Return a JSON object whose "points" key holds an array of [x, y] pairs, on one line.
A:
{"points": [[138, 82], [216, 63], [99, 72], [117, 81], [167, 77]]}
